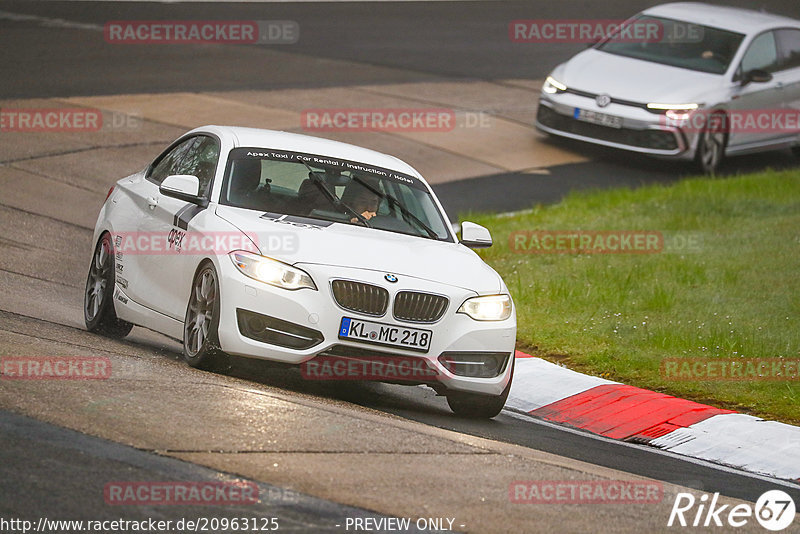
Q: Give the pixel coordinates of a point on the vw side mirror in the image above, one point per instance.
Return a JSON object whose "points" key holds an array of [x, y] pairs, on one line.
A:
{"points": [[757, 76]]}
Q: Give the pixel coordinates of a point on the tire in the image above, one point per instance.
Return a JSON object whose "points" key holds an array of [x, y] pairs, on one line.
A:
{"points": [[200, 328], [98, 297], [711, 144], [476, 406]]}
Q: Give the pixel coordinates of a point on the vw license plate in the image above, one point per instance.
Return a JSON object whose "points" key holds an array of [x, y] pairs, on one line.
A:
{"points": [[594, 117], [385, 334]]}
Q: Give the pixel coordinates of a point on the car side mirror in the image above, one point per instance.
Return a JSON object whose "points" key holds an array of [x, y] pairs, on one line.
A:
{"points": [[183, 187], [757, 76], [475, 236]]}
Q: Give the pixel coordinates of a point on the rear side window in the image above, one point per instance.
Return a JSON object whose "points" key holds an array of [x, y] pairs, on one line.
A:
{"points": [[789, 44], [762, 54]]}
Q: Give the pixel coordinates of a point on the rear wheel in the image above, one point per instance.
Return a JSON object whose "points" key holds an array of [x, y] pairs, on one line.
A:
{"points": [[476, 406], [98, 298], [712, 143], [200, 339]]}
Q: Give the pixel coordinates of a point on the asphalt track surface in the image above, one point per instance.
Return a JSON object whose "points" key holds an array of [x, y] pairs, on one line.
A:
{"points": [[57, 474], [342, 44], [415, 39]]}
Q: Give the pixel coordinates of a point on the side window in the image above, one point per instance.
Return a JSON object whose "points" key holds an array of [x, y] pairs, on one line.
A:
{"points": [[789, 41], [762, 54], [200, 160], [168, 163]]}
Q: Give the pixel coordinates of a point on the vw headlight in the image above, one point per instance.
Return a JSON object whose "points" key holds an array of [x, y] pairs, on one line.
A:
{"points": [[677, 112], [489, 308], [551, 86], [271, 271]]}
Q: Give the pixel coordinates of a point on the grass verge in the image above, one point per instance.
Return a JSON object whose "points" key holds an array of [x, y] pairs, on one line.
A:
{"points": [[724, 287]]}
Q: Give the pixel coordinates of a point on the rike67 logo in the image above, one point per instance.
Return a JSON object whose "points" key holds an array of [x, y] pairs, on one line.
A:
{"points": [[774, 510]]}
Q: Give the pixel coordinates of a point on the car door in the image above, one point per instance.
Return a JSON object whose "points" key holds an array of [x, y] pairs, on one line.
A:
{"points": [[163, 270], [754, 100], [139, 203], [789, 74]]}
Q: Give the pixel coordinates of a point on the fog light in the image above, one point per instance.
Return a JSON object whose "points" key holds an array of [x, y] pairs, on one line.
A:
{"points": [[475, 364]]}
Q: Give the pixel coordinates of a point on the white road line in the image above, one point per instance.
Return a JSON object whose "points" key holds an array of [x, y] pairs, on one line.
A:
{"points": [[46, 21]]}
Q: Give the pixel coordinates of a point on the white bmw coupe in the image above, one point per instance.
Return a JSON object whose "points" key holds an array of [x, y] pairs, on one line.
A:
{"points": [[296, 249]]}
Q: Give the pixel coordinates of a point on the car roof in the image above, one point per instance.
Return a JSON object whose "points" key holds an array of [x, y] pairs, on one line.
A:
{"points": [[279, 140], [740, 20]]}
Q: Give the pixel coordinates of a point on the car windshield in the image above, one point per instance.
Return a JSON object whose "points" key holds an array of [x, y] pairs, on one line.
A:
{"points": [[679, 44], [310, 186]]}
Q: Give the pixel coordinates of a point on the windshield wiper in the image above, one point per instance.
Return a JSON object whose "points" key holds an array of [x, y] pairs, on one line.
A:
{"points": [[336, 201], [407, 215]]}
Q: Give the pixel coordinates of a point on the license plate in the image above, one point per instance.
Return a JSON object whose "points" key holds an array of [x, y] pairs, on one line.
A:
{"points": [[385, 334], [594, 117]]}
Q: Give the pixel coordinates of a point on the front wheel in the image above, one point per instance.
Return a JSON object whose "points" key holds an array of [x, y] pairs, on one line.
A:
{"points": [[712, 143], [98, 298], [476, 406], [200, 340]]}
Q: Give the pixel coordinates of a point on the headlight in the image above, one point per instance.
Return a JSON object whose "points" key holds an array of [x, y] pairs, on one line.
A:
{"points": [[551, 86], [491, 308], [271, 271], [676, 112]]}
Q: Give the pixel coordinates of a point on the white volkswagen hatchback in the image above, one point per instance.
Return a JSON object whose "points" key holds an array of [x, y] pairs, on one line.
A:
{"points": [[711, 81], [302, 250]]}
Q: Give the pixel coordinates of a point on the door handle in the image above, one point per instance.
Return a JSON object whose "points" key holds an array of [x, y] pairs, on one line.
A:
{"points": [[152, 202]]}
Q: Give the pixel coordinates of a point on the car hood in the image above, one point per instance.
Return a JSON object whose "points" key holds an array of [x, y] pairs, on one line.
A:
{"points": [[634, 79], [305, 241]]}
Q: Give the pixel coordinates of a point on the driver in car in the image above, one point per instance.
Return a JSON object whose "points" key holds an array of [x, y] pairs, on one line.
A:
{"points": [[246, 189], [361, 199], [366, 203]]}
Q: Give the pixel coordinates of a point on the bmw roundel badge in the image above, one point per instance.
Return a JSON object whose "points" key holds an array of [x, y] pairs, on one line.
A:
{"points": [[391, 278]]}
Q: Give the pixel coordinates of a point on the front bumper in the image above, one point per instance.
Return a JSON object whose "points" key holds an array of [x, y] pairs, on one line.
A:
{"points": [[316, 319], [642, 131]]}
